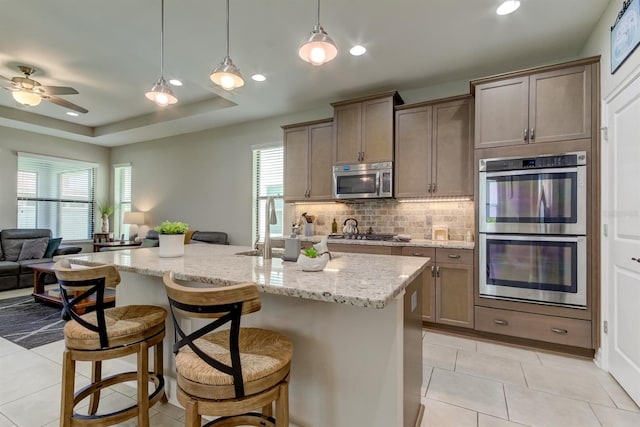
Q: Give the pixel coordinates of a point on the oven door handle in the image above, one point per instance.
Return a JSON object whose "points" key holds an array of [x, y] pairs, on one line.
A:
{"points": [[378, 179], [532, 171]]}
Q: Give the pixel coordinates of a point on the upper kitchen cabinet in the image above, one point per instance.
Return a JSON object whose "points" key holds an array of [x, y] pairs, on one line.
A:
{"points": [[363, 130], [307, 161], [546, 104], [434, 149]]}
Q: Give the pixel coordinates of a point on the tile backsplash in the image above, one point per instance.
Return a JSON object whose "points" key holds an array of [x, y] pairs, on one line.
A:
{"points": [[389, 216]]}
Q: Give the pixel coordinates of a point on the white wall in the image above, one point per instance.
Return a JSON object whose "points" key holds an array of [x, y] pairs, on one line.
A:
{"points": [[13, 140]]}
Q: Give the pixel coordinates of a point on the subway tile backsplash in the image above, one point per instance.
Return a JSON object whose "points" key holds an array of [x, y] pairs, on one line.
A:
{"points": [[389, 216]]}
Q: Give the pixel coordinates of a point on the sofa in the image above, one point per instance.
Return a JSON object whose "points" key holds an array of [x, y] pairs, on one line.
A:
{"points": [[19, 248]]}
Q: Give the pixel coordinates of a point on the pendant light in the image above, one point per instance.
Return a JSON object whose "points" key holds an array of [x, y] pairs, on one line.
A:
{"points": [[226, 74], [161, 93], [28, 99], [318, 48]]}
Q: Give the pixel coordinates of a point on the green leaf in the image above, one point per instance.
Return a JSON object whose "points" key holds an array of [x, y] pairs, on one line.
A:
{"points": [[172, 227]]}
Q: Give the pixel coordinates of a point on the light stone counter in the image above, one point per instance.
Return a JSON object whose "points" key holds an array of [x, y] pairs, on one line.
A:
{"points": [[355, 279], [450, 244]]}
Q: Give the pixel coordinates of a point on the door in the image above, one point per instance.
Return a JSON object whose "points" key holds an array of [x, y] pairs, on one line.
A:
{"points": [[320, 175], [623, 272], [296, 171], [377, 130], [348, 137], [413, 152]]}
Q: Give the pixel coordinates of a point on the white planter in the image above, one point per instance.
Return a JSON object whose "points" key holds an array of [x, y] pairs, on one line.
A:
{"points": [[313, 264], [171, 245]]}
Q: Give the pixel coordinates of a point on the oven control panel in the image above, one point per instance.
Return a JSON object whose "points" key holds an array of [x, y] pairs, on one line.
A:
{"points": [[537, 162]]}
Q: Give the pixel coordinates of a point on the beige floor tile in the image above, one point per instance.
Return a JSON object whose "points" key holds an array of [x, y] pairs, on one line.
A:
{"points": [[113, 402], [616, 393], [536, 408], [440, 414], [489, 421], [439, 356], [612, 417], [426, 377], [565, 382], [171, 411], [508, 352], [468, 392], [52, 351], [7, 347], [562, 361], [24, 373], [490, 367], [5, 422], [449, 340]]}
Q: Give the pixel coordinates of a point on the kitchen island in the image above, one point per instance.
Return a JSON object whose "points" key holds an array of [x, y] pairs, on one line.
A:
{"points": [[356, 326]]}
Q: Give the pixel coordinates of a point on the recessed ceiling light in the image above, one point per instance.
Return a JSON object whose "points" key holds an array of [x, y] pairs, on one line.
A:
{"points": [[71, 113], [175, 82], [508, 7], [357, 50], [259, 77]]}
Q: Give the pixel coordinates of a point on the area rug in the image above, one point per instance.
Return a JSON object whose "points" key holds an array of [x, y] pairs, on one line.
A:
{"points": [[28, 323]]}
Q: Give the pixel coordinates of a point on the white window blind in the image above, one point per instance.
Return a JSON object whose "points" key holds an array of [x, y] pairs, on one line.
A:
{"points": [[121, 198], [268, 178], [57, 194]]}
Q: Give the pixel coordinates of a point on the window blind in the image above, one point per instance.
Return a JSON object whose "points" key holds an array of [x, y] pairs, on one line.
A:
{"points": [[268, 177], [121, 198], [58, 194]]}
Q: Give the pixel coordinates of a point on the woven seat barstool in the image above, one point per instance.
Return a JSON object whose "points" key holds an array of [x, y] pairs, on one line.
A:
{"points": [[237, 374], [103, 334]]}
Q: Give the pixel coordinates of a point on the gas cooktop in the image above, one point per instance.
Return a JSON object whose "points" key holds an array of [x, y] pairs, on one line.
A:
{"points": [[363, 236]]}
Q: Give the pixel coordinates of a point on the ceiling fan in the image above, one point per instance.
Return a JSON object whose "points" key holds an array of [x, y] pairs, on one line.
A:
{"points": [[29, 92]]}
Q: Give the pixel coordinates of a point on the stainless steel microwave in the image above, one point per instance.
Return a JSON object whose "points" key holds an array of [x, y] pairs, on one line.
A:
{"points": [[363, 181]]}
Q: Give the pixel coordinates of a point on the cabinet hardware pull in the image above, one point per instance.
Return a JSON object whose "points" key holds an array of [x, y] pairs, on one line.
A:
{"points": [[432, 271], [533, 134], [454, 256], [429, 188], [559, 331], [500, 322], [635, 259], [434, 187], [438, 271], [526, 134], [418, 254]]}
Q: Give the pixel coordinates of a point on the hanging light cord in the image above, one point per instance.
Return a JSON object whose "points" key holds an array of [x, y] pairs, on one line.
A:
{"points": [[318, 12], [161, 39], [227, 28]]}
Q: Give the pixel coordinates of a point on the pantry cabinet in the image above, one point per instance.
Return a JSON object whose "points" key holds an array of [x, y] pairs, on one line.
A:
{"points": [[540, 107], [447, 292], [363, 130], [434, 150], [307, 161]]}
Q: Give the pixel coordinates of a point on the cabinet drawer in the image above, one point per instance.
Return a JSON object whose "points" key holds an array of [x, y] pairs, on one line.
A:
{"points": [[559, 330], [454, 256], [361, 249], [419, 251]]}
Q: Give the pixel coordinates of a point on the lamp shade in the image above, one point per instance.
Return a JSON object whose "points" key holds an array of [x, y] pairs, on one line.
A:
{"points": [[29, 99], [136, 218], [318, 48], [226, 75], [161, 94]]}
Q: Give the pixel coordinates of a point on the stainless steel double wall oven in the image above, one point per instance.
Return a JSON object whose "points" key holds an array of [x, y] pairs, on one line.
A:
{"points": [[532, 225]]}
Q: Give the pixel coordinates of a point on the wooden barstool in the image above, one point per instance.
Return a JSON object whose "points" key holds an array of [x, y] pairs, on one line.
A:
{"points": [[233, 373], [107, 333]]}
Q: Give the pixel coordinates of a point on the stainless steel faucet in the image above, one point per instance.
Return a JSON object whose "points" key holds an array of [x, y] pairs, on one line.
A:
{"points": [[269, 218]]}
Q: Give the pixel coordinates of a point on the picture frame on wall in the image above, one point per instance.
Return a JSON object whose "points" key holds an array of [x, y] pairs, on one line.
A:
{"points": [[625, 33]]}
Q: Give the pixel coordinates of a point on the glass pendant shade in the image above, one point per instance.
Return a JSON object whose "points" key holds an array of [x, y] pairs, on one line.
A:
{"points": [[318, 48], [29, 99], [226, 75], [161, 94]]}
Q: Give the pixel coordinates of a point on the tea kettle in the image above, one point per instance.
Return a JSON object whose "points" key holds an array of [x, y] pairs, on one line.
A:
{"points": [[350, 226]]}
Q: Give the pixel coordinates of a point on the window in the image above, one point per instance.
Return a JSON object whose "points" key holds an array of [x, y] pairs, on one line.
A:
{"points": [[268, 178], [57, 194], [121, 198]]}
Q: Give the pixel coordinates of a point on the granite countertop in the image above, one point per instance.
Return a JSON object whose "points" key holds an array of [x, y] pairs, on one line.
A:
{"points": [[450, 244], [357, 279]]}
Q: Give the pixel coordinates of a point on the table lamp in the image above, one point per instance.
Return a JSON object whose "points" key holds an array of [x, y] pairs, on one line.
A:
{"points": [[133, 219]]}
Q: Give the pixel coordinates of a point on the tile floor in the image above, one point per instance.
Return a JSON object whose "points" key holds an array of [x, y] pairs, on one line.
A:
{"points": [[466, 383]]}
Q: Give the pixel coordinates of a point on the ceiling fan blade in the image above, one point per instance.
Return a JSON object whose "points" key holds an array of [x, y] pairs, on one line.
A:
{"points": [[64, 103], [5, 78], [58, 90]]}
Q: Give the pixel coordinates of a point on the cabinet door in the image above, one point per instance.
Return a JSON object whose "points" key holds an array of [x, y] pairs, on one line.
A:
{"points": [[320, 174], [413, 152], [428, 287], [502, 113], [454, 294], [296, 170], [560, 105], [377, 130], [347, 140], [452, 169]]}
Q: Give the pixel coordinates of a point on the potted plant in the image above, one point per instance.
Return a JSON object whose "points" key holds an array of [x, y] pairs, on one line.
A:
{"points": [[312, 260], [171, 237], [106, 209]]}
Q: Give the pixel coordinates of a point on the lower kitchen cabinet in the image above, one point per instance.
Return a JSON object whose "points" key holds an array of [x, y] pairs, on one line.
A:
{"points": [[363, 249], [554, 329], [447, 293]]}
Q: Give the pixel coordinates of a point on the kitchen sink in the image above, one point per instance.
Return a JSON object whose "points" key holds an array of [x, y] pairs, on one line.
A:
{"points": [[275, 253]]}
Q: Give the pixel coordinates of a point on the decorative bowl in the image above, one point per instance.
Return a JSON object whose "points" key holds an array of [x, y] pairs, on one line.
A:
{"points": [[313, 264]]}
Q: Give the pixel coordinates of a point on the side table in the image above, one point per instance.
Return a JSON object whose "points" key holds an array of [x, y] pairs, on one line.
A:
{"points": [[116, 244]]}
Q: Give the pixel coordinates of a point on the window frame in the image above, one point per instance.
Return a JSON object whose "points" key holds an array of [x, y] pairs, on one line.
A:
{"points": [[259, 199]]}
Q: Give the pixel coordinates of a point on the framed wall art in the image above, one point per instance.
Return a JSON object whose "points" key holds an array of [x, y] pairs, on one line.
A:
{"points": [[625, 33]]}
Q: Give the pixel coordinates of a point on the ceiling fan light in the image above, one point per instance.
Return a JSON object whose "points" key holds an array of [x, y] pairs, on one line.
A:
{"points": [[226, 75], [318, 48], [161, 94], [27, 99]]}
